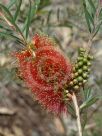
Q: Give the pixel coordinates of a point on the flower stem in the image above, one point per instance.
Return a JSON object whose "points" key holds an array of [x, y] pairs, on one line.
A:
{"points": [[77, 114]]}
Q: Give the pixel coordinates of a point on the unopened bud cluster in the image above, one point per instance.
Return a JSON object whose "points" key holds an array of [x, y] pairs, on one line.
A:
{"points": [[81, 70]]}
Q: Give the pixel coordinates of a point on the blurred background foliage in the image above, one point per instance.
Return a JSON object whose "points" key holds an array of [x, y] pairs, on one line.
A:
{"points": [[63, 20]]}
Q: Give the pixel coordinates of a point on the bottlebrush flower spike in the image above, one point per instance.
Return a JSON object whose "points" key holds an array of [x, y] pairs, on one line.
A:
{"points": [[46, 74]]}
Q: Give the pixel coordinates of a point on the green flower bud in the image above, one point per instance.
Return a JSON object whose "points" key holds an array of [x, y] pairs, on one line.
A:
{"points": [[76, 87], [81, 50], [85, 56], [90, 57], [71, 83], [75, 81], [76, 74], [84, 81], [89, 63], [80, 63], [85, 68], [80, 84], [66, 91], [80, 71], [88, 70], [80, 58], [81, 54], [76, 66], [80, 79], [85, 75], [85, 60]]}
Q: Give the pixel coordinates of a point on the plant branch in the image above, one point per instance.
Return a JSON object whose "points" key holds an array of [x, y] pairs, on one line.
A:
{"points": [[77, 114], [96, 24], [14, 27]]}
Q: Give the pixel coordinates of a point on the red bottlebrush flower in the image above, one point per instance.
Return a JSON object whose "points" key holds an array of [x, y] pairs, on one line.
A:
{"points": [[46, 74]]}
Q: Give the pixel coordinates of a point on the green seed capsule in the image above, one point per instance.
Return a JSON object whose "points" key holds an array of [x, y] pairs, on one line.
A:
{"points": [[89, 64], [80, 71], [81, 49], [76, 87], [71, 83], [85, 75], [88, 70], [80, 84], [90, 57], [80, 64], [80, 79], [66, 91], [76, 66], [85, 56], [76, 74], [80, 58], [81, 54], [85, 68], [75, 81], [84, 81], [85, 60]]}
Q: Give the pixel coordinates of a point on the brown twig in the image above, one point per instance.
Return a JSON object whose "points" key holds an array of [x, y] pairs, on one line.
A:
{"points": [[77, 114]]}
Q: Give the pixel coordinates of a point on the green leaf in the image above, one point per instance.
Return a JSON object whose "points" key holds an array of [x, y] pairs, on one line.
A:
{"points": [[7, 34], [18, 9], [10, 35], [84, 119], [4, 28], [28, 20], [35, 8], [97, 28], [10, 17], [71, 110], [88, 102], [31, 14], [48, 17], [89, 18], [12, 21], [12, 2], [92, 5], [87, 93]]}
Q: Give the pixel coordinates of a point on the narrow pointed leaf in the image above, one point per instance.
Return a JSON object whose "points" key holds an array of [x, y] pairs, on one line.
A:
{"points": [[28, 20], [92, 5], [18, 9], [10, 35], [84, 118], [87, 93], [89, 18], [12, 2], [48, 17], [71, 110], [88, 102], [33, 11], [97, 29], [2, 28], [2, 7], [7, 34]]}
